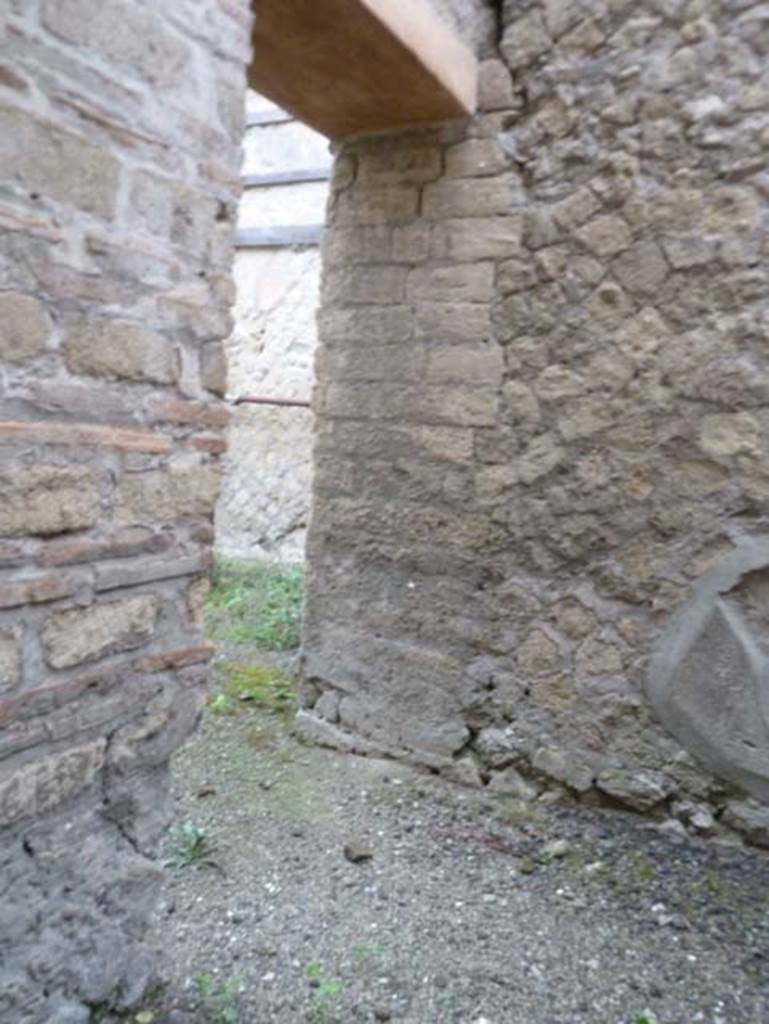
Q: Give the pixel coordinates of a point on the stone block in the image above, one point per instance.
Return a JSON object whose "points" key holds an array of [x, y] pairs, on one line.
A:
{"points": [[463, 197], [10, 663], [495, 86], [24, 327], [118, 31], [78, 635], [605, 236], [120, 350], [119, 544], [132, 574], [468, 282], [478, 238], [364, 285], [596, 657], [731, 433], [37, 589], [640, 789], [40, 786], [213, 368], [163, 496], [476, 158], [372, 205], [57, 164], [469, 364], [642, 269], [48, 500], [398, 161], [452, 321], [524, 40]]}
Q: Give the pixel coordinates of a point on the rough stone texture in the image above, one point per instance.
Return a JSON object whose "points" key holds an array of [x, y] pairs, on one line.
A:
{"points": [[118, 157], [23, 327], [77, 635], [543, 418], [121, 351]]}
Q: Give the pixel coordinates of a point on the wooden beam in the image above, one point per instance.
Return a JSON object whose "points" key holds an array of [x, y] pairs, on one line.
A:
{"points": [[350, 66]]}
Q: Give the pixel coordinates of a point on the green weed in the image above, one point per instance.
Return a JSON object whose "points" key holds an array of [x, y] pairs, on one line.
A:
{"points": [[220, 999], [191, 848], [326, 989], [266, 688], [253, 602]]}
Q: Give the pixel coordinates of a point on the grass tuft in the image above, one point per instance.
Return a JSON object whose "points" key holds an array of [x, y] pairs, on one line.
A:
{"points": [[254, 686], [253, 602]]}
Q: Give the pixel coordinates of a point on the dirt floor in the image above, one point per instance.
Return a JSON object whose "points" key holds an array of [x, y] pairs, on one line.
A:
{"points": [[309, 886]]}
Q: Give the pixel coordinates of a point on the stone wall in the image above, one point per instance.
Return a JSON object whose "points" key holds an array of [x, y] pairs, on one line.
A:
{"points": [[264, 504], [120, 127], [543, 423]]}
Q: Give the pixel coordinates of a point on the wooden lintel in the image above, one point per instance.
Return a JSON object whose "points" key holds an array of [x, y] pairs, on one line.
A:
{"points": [[350, 66]]}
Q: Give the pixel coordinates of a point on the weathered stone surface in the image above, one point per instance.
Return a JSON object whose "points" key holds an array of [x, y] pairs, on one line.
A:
{"points": [[119, 349], [10, 667], [38, 787], [48, 500], [60, 165], [750, 818], [157, 496], [627, 304], [639, 789], [114, 297], [85, 634], [24, 327]]}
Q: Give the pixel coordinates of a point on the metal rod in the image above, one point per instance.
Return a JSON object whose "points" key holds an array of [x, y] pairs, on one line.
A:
{"points": [[255, 400]]}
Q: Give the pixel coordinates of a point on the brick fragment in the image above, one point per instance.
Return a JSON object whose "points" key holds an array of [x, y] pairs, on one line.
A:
{"points": [[175, 659], [86, 434], [174, 410], [36, 589], [119, 544], [209, 443], [110, 577]]}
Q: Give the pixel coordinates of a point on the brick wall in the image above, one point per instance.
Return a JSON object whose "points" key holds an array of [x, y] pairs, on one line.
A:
{"points": [[120, 127], [541, 476]]}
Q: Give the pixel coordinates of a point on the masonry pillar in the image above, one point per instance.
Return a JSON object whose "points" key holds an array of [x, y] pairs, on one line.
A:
{"points": [[538, 542], [120, 127]]}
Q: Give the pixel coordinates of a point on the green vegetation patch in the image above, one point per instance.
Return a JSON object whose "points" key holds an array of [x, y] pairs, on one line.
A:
{"points": [[254, 602], [254, 686]]}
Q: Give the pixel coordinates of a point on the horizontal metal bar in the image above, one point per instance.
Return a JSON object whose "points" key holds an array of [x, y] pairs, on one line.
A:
{"points": [[286, 177], [262, 117], [257, 400], [278, 235]]}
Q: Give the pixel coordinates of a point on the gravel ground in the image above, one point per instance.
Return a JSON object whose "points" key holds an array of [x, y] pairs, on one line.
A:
{"points": [[350, 890]]}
